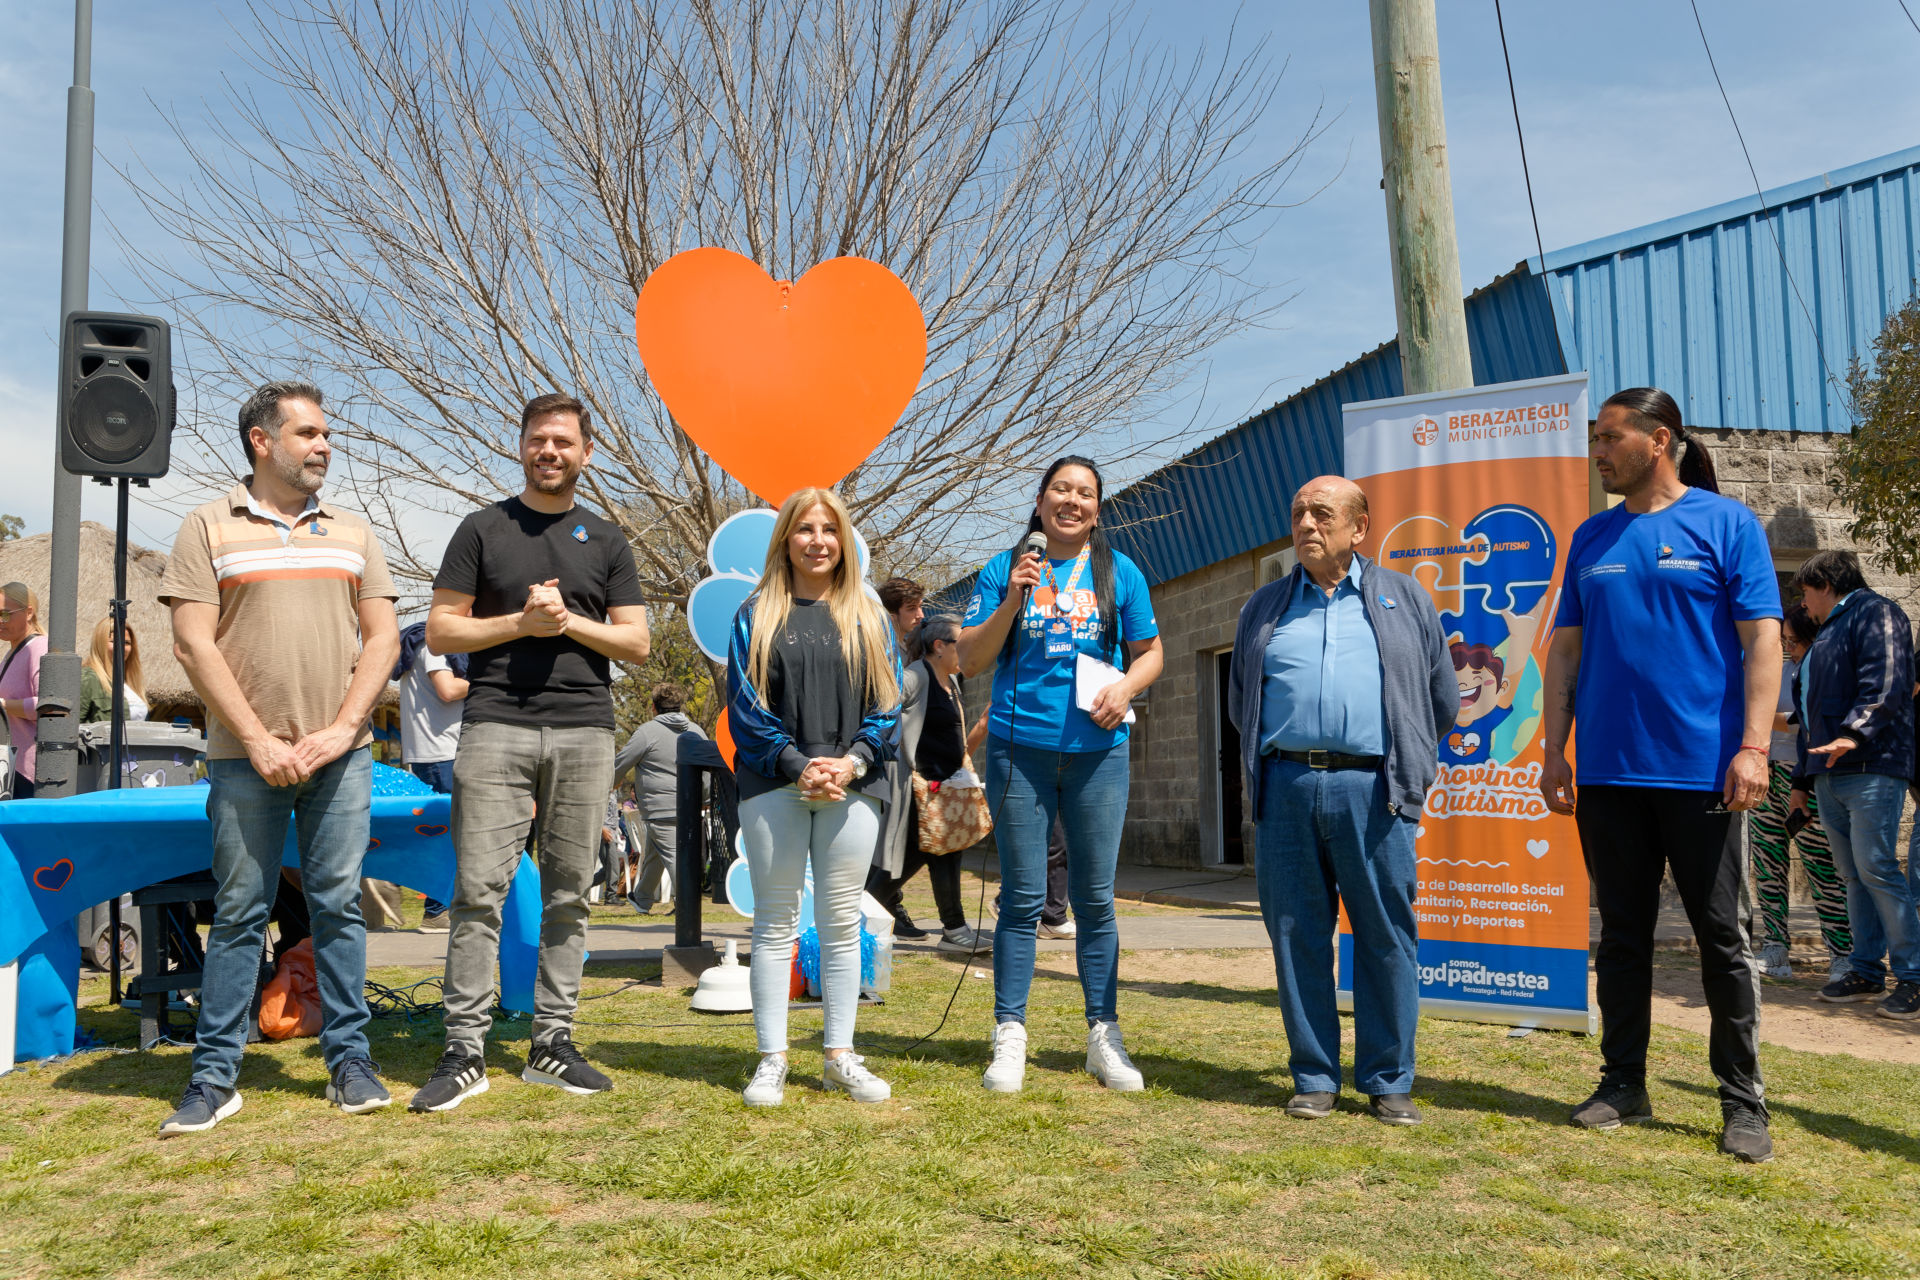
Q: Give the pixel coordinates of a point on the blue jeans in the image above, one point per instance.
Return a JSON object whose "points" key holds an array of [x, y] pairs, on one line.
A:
{"points": [[1324, 836], [1861, 812], [781, 832], [331, 812], [437, 774], [1087, 790]]}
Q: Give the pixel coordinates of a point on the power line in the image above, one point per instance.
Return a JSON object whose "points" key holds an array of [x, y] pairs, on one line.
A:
{"points": [[1819, 347], [1908, 12], [1513, 96]]}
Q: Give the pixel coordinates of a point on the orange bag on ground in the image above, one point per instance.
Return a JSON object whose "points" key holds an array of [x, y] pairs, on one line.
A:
{"points": [[290, 1006]]}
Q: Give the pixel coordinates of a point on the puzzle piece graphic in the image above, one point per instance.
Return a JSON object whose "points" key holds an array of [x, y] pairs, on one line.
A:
{"points": [[1419, 547]]}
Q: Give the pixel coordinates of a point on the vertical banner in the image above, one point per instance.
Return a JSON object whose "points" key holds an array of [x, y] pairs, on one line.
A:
{"points": [[1476, 494]]}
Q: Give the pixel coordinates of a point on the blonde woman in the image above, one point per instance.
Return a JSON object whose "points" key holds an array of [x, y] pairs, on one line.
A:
{"points": [[96, 678], [813, 691], [20, 677]]}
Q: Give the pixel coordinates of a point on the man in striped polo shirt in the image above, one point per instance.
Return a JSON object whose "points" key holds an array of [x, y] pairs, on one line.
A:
{"points": [[283, 618]]}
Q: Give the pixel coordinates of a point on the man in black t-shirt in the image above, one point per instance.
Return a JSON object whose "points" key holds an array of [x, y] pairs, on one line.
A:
{"points": [[544, 596]]}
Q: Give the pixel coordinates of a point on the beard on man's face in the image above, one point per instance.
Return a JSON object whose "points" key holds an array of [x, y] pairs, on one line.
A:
{"points": [[1629, 471], [563, 480], [305, 476]]}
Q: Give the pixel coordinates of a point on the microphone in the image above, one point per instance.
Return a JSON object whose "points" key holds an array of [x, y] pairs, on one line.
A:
{"points": [[1036, 544]]}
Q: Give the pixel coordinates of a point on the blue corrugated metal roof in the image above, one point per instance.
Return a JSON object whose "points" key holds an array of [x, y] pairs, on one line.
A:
{"points": [[1700, 305], [1704, 307], [1230, 495]]}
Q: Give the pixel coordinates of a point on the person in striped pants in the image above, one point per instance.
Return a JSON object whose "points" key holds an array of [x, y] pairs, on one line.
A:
{"points": [[1769, 826]]}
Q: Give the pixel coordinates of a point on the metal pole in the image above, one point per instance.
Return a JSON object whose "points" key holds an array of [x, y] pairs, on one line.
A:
{"points": [[1413, 166], [118, 740], [55, 731]]}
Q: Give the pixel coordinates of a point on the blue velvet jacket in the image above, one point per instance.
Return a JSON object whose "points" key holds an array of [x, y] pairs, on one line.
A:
{"points": [[762, 742]]}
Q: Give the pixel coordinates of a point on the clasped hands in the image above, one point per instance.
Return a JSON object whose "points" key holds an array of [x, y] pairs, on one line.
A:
{"points": [[826, 778], [282, 763], [545, 613]]}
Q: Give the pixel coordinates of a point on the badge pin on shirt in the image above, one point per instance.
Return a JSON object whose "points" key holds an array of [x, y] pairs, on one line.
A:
{"points": [[1665, 550], [315, 528], [579, 533]]}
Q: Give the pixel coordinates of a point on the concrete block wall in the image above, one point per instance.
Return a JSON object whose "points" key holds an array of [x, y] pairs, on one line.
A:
{"points": [[1782, 477], [1171, 809]]}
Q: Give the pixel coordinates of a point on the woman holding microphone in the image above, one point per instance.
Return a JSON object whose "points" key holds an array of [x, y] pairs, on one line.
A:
{"points": [[1053, 619], [813, 690]]}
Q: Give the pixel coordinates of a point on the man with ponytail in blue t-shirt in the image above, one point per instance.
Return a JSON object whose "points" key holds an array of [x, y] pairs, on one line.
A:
{"points": [[1666, 650]]}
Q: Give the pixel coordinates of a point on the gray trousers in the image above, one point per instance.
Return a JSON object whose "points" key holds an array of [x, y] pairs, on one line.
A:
{"points": [[655, 852], [500, 773]]}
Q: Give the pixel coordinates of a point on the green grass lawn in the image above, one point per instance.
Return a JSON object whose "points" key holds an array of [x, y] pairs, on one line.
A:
{"points": [[1201, 1176]]}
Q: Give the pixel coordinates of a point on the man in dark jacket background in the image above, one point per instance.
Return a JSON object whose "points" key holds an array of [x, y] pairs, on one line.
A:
{"points": [[1856, 690], [1341, 686], [652, 755]]}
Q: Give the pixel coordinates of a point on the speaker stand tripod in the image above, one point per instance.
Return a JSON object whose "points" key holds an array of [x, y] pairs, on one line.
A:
{"points": [[118, 739]]}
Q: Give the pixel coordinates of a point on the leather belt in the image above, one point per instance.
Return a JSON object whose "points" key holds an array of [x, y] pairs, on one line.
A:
{"points": [[1331, 760]]}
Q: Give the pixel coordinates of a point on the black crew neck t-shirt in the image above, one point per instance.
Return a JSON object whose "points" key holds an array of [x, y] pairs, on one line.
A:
{"points": [[495, 555]]}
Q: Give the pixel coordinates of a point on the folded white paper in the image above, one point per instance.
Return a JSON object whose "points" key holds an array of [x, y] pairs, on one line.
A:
{"points": [[1090, 676], [962, 780]]}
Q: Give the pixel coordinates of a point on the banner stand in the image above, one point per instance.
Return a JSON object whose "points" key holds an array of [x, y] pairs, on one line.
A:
{"points": [[1475, 494], [1587, 1023]]}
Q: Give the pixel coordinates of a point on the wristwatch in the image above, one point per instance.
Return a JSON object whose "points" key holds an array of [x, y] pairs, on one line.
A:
{"points": [[859, 768]]}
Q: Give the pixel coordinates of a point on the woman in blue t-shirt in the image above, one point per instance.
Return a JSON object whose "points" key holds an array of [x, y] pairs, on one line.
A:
{"points": [[813, 693], [1045, 624]]}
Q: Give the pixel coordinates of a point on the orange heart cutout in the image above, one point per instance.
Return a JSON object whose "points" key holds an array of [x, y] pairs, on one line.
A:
{"points": [[784, 385]]}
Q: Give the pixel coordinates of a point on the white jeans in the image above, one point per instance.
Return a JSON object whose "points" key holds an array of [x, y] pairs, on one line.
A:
{"points": [[781, 830]]}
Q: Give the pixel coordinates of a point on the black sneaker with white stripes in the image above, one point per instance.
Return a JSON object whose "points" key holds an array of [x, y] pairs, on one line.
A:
{"points": [[559, 1064], [457, 1077]]}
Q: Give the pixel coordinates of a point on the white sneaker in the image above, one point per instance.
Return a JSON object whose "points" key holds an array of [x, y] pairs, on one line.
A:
{"points": [[1008, 1070], [768, 1088], [1774, 962], [1065, 929], [1107, 1059], [964, 941], [849, 1072]]}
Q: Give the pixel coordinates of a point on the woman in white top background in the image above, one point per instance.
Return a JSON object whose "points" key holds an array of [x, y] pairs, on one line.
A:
{"points": [[96, 677]]}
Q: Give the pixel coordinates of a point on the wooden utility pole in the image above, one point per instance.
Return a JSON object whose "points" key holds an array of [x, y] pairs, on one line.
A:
{"points": [[1413, 164]]}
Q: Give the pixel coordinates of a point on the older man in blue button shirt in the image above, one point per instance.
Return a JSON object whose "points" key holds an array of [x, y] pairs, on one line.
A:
{"points": [[1341, 687]]}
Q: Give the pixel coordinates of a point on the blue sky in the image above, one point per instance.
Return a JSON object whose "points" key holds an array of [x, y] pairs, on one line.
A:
{"points": [[1624, 127]]}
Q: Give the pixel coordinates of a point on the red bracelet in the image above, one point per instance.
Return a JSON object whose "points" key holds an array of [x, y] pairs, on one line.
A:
{"points": [[1745, 747]]}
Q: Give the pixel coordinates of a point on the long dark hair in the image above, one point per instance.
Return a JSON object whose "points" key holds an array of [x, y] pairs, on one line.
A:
{"points": [[1101, 558], [1650, 407]]}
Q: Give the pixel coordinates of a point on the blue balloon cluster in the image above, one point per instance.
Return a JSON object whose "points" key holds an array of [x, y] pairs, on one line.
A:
{"points": [[736, 554]]}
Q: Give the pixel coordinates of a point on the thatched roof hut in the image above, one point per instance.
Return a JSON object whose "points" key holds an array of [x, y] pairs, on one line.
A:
{"points": [[26, 560], [168, 693]]}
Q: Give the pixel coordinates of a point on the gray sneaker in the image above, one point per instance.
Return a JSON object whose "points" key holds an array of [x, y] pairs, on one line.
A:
{"points": [[201, 1107], [1745, 1134], [356, 1087], [1774, 962], [964, 941]]}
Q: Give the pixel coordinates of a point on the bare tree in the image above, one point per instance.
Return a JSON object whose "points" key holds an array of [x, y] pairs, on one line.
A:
{"points": [[464, 207]]}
